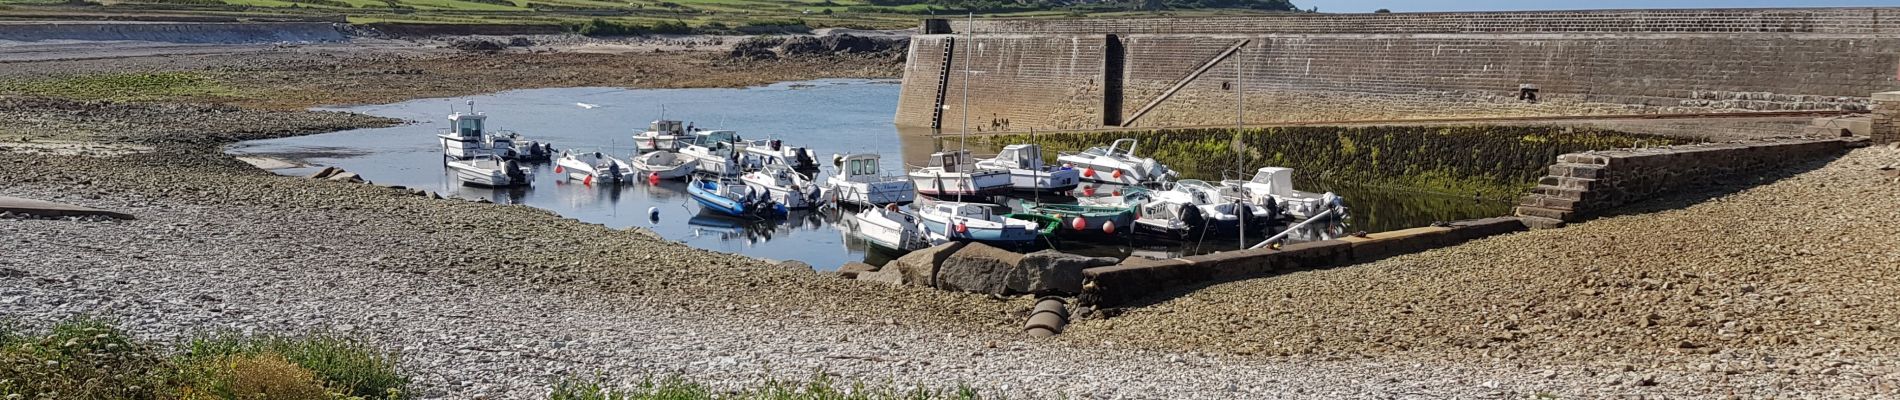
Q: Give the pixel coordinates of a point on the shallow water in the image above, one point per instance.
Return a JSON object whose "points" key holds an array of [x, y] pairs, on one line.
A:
{"points": [[830, 116]]}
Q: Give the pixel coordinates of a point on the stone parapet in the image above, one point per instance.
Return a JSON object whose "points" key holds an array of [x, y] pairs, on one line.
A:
{"points": [[1582, 185], [1885, 119], [1777, 20]]}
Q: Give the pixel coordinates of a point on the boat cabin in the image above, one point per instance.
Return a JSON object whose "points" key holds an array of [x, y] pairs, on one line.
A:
{"points": [[715, 139], [1277, 181], [952, 161], [857, 165], [964, 210], [467, 125], [1019, 156], [667, 127]]}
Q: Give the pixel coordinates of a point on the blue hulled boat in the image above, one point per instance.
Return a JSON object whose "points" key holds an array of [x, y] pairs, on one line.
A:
{"points": [[731, 197]]}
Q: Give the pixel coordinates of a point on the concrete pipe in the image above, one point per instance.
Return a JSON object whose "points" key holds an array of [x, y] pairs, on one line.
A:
{"points": [[1052, 305], [1040, 332], [1051, 321]]}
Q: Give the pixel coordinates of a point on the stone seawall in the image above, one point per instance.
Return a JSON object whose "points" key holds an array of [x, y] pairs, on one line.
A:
{"points": [[1087, 74], [171, 32], [1582, 185]]}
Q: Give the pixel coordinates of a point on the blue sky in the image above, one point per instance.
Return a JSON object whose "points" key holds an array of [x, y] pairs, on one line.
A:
{"points": [[1511, 5]]}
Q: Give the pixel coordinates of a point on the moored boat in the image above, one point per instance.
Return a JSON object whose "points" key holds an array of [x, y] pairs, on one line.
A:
{"points": [[733, 198], [661, 135], [975, 222], [785, 186], [762, 153], [951, 174], [859, 181], [491, 172], [1117, 163], [890, 227], [593, 168], [1027, 173], [663, 165], [1086, 218], [1220, 208], [1274, 185], [718, 153], [511, 145], [464, 138]]}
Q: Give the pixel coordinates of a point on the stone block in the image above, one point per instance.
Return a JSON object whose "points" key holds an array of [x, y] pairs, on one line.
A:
{"points": [[1540, 212], [1375, 246]]}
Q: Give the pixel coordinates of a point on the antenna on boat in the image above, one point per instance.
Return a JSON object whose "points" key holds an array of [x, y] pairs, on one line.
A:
{"points": [[471, 106]]}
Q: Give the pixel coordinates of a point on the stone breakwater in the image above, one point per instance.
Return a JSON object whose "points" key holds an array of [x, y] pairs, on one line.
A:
{"points": [[1581, 185], [1158, 72]]}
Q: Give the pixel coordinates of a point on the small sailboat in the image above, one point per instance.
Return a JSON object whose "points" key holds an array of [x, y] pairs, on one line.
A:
{"points": [[718, 153], [593, 168], [491, 172], [1117, 163], [733, 198], [975, 222], [1027, 172], [787, 187], [890, 227], [661, 135], [1274, 185], [664, 165], [859, 181], [951, 173]]}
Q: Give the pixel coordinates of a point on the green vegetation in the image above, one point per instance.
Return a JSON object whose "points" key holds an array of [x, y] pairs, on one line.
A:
{"points": [[90, 359], [122, 87], [821, 387], [1493, 161]]}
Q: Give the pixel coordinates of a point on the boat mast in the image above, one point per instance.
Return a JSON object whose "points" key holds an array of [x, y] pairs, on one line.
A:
{"points": [[1240, 129], [963, 147]]}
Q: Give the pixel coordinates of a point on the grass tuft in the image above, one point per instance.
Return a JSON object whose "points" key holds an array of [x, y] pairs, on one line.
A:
{"points": [[345, 366]]}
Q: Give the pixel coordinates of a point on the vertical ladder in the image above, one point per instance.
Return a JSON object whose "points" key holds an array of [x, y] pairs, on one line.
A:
{"points": [[943, 82]]}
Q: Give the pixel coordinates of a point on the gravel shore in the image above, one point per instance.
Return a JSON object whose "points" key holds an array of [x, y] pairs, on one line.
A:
{"points": [[1774, 290]]}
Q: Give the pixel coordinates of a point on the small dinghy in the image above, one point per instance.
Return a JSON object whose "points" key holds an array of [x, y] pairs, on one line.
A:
{"points": [[593, 168], [664, 165], [891, 227], [976, 222], [661, 135], [859, 181], [787, 187], [733, 198], [1023, 162], [491, 172], [951, 173], [1117, 163], [1274, 185]]}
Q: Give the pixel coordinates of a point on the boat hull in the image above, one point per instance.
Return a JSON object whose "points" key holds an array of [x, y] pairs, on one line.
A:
{"points": [[1094, 219], [960, 184], [872, 194], [477, 174], [1004, 234], [461, 148], [1052, 181], [878, 228], [709, 199]]}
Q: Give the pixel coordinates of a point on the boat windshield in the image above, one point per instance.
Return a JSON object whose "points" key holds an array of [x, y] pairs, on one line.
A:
{"points": [[1096, 151], [1263, 177], [468, 126], [867, 166], [713, 138]]}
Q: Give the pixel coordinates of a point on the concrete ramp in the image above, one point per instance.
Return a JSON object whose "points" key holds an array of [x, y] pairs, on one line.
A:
{"points": [[33, 33], [43, 208]]}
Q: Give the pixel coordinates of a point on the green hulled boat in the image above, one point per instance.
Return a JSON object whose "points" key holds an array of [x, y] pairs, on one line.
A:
{"points": [[1094, 218], [1045, 226]]}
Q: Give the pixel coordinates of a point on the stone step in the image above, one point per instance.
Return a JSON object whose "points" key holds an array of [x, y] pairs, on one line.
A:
{"points": [[1569, 183], [1541, 222], [1562, 193], [1540, 212], [1584, 158], [1575, 170], [1550, 202]]}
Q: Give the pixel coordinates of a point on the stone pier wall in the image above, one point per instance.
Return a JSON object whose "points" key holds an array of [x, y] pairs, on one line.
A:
{"points": [[1886, 118], [1581, 185], [1061, 74]]}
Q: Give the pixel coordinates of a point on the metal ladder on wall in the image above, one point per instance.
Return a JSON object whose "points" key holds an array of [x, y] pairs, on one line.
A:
{"points": [[943, 82]]}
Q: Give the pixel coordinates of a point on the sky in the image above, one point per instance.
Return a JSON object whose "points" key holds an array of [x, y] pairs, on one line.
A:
{"points": [[1343, 6]]}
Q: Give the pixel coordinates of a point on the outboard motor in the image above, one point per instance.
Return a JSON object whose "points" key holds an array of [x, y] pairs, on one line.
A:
{"points": [[513, 170]]}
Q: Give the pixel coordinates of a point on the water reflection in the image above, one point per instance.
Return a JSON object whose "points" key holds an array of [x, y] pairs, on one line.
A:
{"points": [[830, 116]]}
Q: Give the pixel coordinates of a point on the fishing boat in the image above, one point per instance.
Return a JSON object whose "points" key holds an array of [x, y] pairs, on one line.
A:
{"points": [[733, 198], [718, 153], [663, 165], [1274, 185], [762, 153], [975, 222], [859, 181], [787, 187], [491, 171], [1027, 173], [592, 168], [464, 138], [890, 227], [1109, 219], [661, 135], [951, 173], [1117, 163]]}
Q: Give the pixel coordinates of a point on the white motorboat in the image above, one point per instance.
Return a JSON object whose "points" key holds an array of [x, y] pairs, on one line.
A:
{"points": [[1027, 172], [1168, 216], [760, 153], [787, 187], [951, 173], [510, 145], [1221, 209], [1216, 217], [975, 222], [1117, 163], [718, 153], [860, 181], [891, 228], [1274, 185], [664, 165], [594, 168], [464, 138], [661, 135], [491, 172]]}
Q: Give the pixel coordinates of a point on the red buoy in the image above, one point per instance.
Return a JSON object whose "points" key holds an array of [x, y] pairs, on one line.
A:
{"points": [[589, 180], [1079, 224], [1088, 191], [1108, 227], [653, 178], [1088, 173], [961, 228], [558, 170], [1118, 174]]}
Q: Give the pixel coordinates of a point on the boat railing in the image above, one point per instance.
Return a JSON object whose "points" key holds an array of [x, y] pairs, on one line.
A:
{"points": [[1289, 230]]}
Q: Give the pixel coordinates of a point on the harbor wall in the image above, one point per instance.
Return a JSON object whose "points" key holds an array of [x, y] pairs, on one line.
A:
{"points": [[1582, 185], [1139, 279], [1095, 73]]}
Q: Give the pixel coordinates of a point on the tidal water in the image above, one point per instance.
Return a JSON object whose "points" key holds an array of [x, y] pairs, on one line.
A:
{"points": [[829, 116]]}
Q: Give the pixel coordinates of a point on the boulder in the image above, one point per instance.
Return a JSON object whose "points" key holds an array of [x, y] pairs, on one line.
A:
{"points": [[346, 176], [1050, 272], [920, 267], [325, 173], [978, 268], [851, 270], [887, 275]]}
